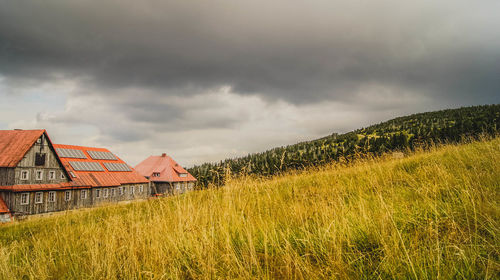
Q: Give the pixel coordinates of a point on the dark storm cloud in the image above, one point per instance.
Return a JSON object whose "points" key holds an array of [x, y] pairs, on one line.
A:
{"points": [[297, 51]]}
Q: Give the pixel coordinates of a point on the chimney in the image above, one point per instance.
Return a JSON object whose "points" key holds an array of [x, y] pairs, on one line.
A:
{"points": [[163, 155]]}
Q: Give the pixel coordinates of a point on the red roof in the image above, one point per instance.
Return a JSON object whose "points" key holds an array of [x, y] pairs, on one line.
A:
{"points": [[3, 206], [14, 144], [38, 187], [103, 178], [168, 169]]}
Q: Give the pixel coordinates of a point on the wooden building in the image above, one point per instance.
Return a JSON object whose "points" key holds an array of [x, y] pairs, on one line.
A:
{"points": [[165, 175], [110, 179], [37, 176]]}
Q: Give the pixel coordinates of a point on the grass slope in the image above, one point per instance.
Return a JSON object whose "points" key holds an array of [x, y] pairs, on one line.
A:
{"points": [[431, 215]]}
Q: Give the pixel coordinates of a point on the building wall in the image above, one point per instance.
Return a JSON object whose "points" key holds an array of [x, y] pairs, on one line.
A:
{"points": [[28, 163], [161, 188], [13, 200], [77, 199], [7, 176], [121, 193], [171, 188]]}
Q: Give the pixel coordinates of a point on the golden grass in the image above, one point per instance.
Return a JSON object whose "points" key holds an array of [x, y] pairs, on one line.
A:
{"points": [[432, 215]]}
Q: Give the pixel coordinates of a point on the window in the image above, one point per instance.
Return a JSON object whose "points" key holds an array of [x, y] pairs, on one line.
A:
{"points": [[25, 174], [62, 175], [124, 190], [183, 174], [83, 194], [39, 140], [141, 188], [156, 174], [25, 198], [97, 193], [52, 196], [120, 190], [67, 195], [39, 197], [52, 175], [105, 192], [132, 190], [113, 192], [40, 159], [39, 175]]}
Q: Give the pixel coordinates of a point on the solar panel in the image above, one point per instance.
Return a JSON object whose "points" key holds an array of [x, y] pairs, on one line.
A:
{"points": [[101, 155], [86, 166], [112, 166], [70, 153]]}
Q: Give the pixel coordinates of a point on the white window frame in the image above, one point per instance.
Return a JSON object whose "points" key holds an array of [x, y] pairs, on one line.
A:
{"points": [[98, 193], [124, 190], [83, 194], [132, 190], [105, 193], [113, 192], [67, 195], [25, 198], [120, 190], [27, 172], [52, 196], [52, 175], [141, 188], [183, 175], [41, 175], [38, 195]]}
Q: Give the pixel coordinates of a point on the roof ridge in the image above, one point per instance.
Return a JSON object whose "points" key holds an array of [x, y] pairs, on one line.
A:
{"points": [[79, 146]]}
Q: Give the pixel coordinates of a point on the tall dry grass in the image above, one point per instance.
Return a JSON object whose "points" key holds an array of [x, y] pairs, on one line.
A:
{"points": [[433, 215]]}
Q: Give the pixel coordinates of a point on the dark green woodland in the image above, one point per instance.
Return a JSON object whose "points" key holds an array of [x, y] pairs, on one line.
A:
{"points": [[399, 134]]}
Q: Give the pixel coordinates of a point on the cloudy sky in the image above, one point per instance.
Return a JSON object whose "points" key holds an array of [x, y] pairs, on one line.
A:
{"points": [[205, 80]]}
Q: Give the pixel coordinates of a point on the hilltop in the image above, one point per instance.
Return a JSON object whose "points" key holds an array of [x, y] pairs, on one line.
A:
{"points": [[403, 133], [433, 214]]}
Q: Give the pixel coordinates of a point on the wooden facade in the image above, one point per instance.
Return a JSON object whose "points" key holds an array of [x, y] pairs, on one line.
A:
{"points": [[170, 188], [44, 201]]}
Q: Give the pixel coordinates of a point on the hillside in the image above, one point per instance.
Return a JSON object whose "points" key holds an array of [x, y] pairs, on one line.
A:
{"points": [[434, 214], [398, 134]]}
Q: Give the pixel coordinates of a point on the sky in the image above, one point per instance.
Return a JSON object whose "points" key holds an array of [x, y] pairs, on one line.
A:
{"points": [[207, 80]]}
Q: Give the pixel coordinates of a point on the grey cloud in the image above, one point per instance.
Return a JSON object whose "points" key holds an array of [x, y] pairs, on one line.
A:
{"points": [[297, 51]]}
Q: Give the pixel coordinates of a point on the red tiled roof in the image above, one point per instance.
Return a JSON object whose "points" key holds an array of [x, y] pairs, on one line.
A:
{"points": [[98, 178], [14, 144], [39, 187], [167, 167], [3, 206]]}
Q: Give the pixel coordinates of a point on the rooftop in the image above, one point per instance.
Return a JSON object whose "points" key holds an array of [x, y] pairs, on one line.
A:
{"points": [[96, 167], [163, 169]]}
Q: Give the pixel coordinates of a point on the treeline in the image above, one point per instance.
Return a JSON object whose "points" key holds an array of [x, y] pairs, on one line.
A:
{"points": [[398, 134]]}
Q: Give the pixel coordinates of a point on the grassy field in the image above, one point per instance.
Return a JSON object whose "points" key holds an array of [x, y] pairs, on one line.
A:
{"points": [[432, 215]]}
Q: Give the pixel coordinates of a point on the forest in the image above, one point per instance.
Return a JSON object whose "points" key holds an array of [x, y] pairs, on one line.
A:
{"points": [[400, 134]]}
